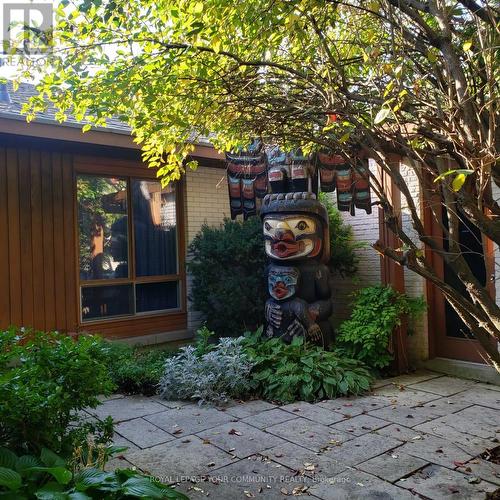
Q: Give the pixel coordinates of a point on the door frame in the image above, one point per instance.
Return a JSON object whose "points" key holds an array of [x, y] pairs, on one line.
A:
{"points": [[440, 345]]}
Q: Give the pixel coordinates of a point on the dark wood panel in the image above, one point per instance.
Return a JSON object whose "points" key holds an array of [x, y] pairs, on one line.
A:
{"points": [[59, 255], [49, 293], [136, 326], [4, 245], [70, 264], [26, 238], [16, 312], [38, 268]]}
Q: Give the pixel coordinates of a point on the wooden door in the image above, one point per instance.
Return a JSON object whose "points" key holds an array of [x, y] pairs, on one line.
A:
{"points": [[448, 335]]}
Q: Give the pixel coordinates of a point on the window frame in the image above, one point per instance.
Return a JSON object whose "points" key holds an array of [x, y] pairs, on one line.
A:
{"points": [[130, 170]]}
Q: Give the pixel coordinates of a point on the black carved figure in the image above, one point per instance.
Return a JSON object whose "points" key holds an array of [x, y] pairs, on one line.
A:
{"points": [[296, 237]]}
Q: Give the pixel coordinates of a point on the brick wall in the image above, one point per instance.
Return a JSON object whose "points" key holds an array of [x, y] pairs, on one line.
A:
{"points": [[206, 202], [418, 341]]}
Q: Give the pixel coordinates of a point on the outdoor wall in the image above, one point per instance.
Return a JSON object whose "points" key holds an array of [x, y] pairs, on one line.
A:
{"points": [[366, 231], [418, 341], [206, 202]]}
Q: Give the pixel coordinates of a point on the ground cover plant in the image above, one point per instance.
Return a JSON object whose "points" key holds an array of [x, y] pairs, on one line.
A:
{"points": [[302, 372], [377, 311], [208, 372], [46, 378], [48, 476], [135, 370]]}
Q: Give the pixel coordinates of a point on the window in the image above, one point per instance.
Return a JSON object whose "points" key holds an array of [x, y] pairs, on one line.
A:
{"points": [[128, 247]]}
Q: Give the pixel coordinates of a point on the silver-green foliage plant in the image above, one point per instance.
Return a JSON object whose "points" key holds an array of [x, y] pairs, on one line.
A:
{"points": [[213, 375]]}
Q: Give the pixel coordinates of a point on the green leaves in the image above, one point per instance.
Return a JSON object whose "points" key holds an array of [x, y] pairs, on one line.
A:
{"points": [[10, 478], [382, 115], [365, 336], [300, 371]]}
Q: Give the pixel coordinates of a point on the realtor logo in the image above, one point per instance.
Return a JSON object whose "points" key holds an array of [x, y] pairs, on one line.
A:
{"points": [[26, 27]]}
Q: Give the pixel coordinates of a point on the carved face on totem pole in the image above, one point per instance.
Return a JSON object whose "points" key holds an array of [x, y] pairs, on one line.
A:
{"points": [[295, 227]]}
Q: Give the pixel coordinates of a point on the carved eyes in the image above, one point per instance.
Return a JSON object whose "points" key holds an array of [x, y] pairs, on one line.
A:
{"points": [[267, 226], [301, 225]]}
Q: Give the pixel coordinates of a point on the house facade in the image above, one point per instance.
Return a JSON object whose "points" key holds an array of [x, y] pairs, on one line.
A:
{"points": [[91, 241]]}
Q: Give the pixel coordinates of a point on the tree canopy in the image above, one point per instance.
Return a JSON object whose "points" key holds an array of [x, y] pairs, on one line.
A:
{"points": [[409, 77]]}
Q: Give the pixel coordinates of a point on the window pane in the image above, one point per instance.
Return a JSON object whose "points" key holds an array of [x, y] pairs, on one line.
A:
{"points": [[103, 227], [156, 296], [106, 301], [155, 228]]}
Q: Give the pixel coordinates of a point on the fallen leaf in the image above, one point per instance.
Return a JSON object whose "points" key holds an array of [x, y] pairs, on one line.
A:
{"points": [[178, 431], [296, 410], [474, 480], [278, 455], [249, 494], [210, 464], [206, 441], [458, 464], [410, 416], [439, 450], [453, 489], [284, 491], [186, 441], [415, 438], [235, 432]]}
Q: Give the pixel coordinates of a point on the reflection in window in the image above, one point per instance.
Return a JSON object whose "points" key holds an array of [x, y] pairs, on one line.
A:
{"points": [[106, 301], [156, 296], [103, 227], [155, 228]]}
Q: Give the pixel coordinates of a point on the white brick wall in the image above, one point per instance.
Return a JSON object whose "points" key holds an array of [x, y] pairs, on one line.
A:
{"points": [[418, 341], [206, 202]]}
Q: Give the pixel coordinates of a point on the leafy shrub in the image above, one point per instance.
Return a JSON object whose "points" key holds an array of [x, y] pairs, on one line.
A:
{"points": [[49, 476], [208, 373], [377, 311], [45, 379], [343, 258], [300, 371], [228, 267], [135, 371]]}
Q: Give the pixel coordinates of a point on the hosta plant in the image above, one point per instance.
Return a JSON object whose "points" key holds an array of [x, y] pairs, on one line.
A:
{"points": [[50, 477], [300, 371]]}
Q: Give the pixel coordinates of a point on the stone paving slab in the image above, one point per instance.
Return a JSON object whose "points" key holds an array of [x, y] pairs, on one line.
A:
{"points": [[310, 463], [404, 415], [444, 386], [189, 419], [240, 439], [436, 450], [354, 484], [121, 409], [481, 468], [249, 478], [361, 424], [353, 406], [309, 434], [142, 433], [473, 436], [314, 412], [392, 466], [180, 459], [243, 409], [438, 483], [400, 432], [372, 446], [483, 397], [405, 396], [361, 449], [268, 418], [407, 379]]}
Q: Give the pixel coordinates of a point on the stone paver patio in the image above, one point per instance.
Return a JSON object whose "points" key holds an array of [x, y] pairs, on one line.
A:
{"points": [[414, 436]]}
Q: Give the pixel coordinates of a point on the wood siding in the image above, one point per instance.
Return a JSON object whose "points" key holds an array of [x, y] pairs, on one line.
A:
{"points": [[38, 255]]}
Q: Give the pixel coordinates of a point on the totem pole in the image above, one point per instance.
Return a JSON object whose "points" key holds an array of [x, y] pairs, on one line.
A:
{"points": [[296, 232]]}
